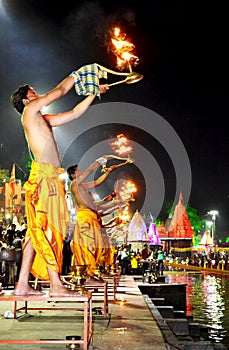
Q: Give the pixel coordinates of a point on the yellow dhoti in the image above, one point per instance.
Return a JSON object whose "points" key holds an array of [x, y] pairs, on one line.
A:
{"points": [[89, 244], [47, 218]]}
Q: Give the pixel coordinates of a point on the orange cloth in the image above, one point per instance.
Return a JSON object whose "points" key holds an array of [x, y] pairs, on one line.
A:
{"points": [[47, 217], [89, 244]]}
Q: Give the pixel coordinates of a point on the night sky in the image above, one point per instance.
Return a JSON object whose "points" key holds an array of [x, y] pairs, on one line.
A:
{"points": [[182, 46]]}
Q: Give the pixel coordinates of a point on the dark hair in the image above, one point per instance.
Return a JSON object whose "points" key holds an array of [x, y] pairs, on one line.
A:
{"points": [[71, 170], [17, 97]]}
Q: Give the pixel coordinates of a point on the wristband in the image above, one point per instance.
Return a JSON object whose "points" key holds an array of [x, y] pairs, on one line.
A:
{"points": [[101, 160]]}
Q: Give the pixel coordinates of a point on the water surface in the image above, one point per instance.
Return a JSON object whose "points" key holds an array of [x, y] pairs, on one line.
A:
{"points": [[207, 299]]}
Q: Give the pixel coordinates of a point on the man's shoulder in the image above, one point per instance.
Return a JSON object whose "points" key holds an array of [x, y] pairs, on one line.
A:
{"points": [[31, 112]]}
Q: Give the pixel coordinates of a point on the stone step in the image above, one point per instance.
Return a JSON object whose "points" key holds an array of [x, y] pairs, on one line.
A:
{"points": [[158, 301], [179, 327], [166, 311], [179, 314]]}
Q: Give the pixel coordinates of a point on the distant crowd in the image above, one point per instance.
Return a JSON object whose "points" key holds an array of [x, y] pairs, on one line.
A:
{"points": [[11, 241], [132, 262], [153, 258], [11, 235], [206, 259], [149, 258]]}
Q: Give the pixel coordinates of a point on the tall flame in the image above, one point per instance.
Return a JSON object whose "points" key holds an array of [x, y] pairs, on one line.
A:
{"points": [[122, 50]]}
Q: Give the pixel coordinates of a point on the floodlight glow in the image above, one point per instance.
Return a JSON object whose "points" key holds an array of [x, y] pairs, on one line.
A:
{"points": [[213, 212]]}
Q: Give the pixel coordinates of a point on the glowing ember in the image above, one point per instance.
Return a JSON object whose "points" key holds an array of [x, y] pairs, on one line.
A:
{"points": [[122, 50], [121, 146]]}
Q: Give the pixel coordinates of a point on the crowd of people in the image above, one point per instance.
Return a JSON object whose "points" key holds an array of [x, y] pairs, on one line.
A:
{"points": [[154, 259], [149, 258], [208, 258], [11, 238], [11, 235]]}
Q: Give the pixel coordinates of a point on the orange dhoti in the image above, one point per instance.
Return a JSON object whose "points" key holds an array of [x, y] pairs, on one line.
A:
{"points": [[107, 255], [47, 218], [89, 244]]}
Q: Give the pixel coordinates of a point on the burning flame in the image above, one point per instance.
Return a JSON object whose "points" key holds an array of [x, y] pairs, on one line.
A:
{"points": [[121, 146], [128, 189], [125, 189], [122, 50], [125, 214]]}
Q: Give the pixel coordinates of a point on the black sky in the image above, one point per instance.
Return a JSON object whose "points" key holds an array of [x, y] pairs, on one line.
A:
{"points": [[183, 50]]}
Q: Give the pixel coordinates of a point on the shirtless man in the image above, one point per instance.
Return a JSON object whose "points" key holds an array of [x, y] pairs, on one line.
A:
{"points": [[90, 245], [46, 209]]}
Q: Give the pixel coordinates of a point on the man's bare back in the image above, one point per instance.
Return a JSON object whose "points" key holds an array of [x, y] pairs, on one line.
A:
{"points": [[81, 195]]}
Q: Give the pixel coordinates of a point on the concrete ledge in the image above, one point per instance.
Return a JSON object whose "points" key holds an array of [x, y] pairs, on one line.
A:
{"points": [[202, 346]]}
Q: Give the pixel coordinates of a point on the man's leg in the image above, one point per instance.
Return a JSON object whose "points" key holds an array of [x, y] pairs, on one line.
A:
{"points": [[22, 286], [57, 288]]}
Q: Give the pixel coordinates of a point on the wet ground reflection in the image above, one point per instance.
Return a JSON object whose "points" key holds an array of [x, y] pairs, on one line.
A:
{"points": [[207, 299]]}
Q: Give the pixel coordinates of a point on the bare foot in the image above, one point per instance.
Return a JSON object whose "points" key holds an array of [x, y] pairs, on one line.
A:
{"points": [[27, 290], [62, 291]]}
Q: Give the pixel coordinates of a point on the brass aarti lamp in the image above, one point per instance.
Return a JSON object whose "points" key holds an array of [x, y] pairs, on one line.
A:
{"points": [[76, 278], [131, 77]]}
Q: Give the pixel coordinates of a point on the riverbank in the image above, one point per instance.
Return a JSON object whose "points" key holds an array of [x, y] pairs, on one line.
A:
{"points": [[133, 322], [183, 267]]}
